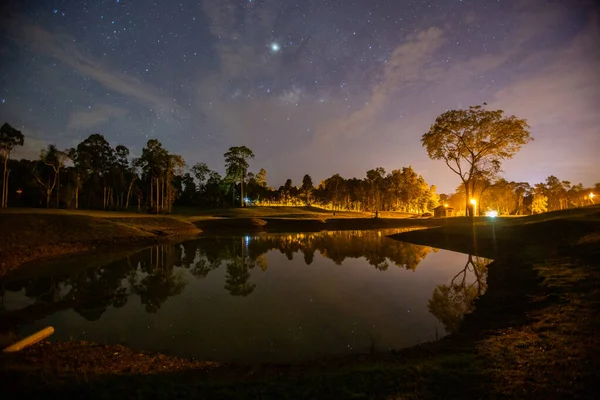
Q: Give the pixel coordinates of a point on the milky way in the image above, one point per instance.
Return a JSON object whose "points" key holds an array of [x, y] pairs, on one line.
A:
{"points": [[318, 87]]}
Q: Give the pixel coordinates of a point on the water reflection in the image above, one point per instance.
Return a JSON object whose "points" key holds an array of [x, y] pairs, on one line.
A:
{"points": [[450, 302], [285, 304]]}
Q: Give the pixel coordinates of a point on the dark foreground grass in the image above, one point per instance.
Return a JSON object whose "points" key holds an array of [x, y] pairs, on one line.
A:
{"points": [[534, 334]]}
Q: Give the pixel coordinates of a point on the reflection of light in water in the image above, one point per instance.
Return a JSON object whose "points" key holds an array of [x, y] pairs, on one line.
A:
{"points": [[276, 291]]}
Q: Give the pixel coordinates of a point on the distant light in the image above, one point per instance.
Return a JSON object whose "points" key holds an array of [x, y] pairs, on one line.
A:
{"points": [[247, 238], [592, 195], [473, 201], [19, 191], [246, 200], [491, 213], [275, 47], [446, 205]]}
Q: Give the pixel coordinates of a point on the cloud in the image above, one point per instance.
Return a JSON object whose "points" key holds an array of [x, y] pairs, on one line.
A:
{"points": [[61, 47], [291, 96], [558, 92], [84, 119], [567, 84], [239, 32], [31, 147], [404, 67]]}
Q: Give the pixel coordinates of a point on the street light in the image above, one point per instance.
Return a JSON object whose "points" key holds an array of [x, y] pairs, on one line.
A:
{"points": [[474, 202], [592, 195]]}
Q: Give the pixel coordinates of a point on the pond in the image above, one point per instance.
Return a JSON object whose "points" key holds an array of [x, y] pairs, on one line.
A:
{"points": [[261, 298]]}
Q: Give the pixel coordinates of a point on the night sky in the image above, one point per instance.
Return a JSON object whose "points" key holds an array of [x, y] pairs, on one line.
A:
{"points": [[311, 86]]}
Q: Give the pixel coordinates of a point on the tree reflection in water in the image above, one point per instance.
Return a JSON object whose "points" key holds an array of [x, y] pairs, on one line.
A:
{"points": [[156, 274], [450, 302]]}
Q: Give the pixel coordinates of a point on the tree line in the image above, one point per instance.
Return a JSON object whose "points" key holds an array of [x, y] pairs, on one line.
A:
{"points": [[473, 143], [522, 198], [96, 175]]}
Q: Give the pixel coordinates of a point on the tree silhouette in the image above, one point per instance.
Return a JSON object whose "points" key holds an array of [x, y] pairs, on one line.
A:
{"points": [[9, 139], [55, 159], [236, 280], [307, 189], [160, 280], [236, 164], [474, 142], [450, 302]]}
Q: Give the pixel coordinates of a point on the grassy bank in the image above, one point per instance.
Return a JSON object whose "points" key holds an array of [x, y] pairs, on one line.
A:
{"points": [[29, 235], [534, 334], [35, 234], [294, 219]]}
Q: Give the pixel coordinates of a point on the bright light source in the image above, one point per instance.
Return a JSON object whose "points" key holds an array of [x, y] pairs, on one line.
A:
{"points": [[246, 200], [446, 205], [473, 201], [491, 213], [275, 47], [592, 195]]}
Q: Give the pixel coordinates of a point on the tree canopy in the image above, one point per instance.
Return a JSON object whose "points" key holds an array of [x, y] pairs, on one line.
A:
{"points": [[473, 142], [9, 139], [236, 164]]}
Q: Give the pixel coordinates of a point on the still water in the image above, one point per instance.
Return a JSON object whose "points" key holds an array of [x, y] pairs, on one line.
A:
{"points": [[263, 298]]}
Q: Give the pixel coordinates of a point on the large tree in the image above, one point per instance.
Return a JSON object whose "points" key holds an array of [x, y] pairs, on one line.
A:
{"points": [[153, 163], [56, 160], [9, 138], [307, 189], [236, 164], [93, 159], [474, 141], [261, 178]]}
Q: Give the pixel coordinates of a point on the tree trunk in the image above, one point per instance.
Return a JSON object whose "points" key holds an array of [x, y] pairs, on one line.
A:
{"points": [[57, 173], [4, 182], [77, 198], [162, 192], [157, 195], [468, 212], [5, 198], [129, 193], [242, 193]]}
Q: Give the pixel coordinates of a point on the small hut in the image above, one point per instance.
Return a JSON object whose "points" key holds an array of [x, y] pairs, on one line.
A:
{"points": [[443, 211]]}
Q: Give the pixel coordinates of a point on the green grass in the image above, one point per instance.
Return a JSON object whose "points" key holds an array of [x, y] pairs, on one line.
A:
{"points": [[285, 212]]}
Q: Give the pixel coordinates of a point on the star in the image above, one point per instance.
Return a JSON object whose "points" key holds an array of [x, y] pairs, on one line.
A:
{"points": [[364, 74]]}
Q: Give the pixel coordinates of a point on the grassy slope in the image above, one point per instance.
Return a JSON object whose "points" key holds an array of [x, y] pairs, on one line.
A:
{"points": [[280, 212], [34, 234], [533, 334], [30, 234], [295, 219]]}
